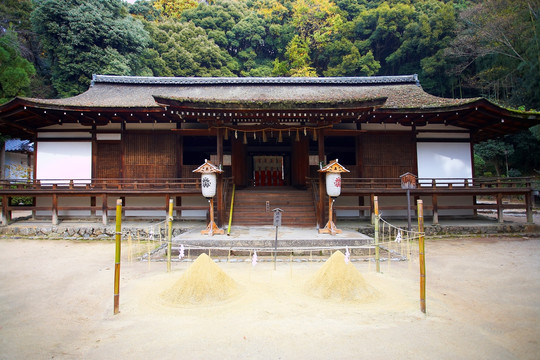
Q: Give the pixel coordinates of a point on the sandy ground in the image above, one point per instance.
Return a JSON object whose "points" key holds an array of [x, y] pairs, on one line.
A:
{"points": [[483, 302]]}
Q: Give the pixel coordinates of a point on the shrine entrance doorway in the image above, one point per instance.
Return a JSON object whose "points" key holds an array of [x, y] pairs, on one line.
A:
{"points": [[270, 170]]}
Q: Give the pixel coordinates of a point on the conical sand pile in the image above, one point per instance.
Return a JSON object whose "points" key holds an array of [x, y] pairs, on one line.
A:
{"points": [[338, 280], [204, 281]]}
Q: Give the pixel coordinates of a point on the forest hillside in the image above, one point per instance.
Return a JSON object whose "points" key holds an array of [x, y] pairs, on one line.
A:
{"points": [[458, 48]]}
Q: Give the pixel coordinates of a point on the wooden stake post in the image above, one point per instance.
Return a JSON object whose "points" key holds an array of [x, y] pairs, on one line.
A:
{"points": [[422, 256], [118, 238], [169, 235], [408, 182], [376, 211], [277, 224]]}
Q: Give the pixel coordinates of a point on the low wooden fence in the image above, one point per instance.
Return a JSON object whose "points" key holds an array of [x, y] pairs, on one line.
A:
{"points": [[103, 189], [499, 189], [520, 189]]}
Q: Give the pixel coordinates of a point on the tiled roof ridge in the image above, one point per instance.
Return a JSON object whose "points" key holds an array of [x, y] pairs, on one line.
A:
{"points": [[360, 80]]}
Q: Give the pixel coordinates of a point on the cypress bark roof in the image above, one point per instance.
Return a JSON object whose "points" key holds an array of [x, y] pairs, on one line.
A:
{"points": [[109, 91], [377, 99]]}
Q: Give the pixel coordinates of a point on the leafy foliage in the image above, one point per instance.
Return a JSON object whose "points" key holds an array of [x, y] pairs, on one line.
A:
{"points": [[15, 71], [459, 48], [83, 37], [497, 50], [183, 49], [174, 8]]}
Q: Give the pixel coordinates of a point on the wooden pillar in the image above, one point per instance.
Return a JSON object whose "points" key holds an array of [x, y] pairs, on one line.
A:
{"points": [[180, 165], [220, 190], [94, 168], [300, 161], [359, 162], [475, 202], [54, 209], [93, 205], [238, 160], [104, 210], [167, 203], [374, 210], [529, 206], [499, 208], [5, 214], [3, 160], [320, 205], [34, 170], [435, 209]]}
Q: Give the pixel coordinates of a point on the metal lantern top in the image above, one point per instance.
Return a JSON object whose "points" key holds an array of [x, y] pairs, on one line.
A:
{"points": [[333, 167], [208, 168], [408, 181]]}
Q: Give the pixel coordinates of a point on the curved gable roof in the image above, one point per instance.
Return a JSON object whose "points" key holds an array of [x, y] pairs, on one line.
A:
{"points": [[395, 99]]}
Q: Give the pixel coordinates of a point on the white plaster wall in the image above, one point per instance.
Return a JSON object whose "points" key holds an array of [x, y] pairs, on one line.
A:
{"points": [[64, 160], [444, 160]]}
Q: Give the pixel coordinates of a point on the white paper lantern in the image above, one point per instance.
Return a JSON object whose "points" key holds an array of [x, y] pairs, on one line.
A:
{"points": [[209, 185], [333, 184]]}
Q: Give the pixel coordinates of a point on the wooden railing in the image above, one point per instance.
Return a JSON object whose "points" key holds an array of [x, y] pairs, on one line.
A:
{"points": [[520, 189], [348, 184], [97, 189], [132, 186], [103, 189]]}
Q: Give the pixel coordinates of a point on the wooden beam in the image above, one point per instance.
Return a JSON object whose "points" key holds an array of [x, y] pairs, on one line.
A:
{"points": [[320, 205], [342, 132], [220, 190], [196, 132]]}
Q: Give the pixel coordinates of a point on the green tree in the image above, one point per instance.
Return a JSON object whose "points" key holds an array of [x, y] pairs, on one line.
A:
{"points": [[526, 155], [174, 8], [82, 37], [15, 71], [246, 31], [298, 58], [408, 37], [497, 51], [144, 9], [14, 15], [495, 153], [183, 49], [354, 64]]}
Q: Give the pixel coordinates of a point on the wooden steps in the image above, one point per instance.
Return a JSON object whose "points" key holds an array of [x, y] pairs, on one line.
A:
{"points": [[250, 207]]}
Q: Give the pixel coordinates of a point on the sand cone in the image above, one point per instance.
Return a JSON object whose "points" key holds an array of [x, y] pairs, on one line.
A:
{"points": [[339, 280], [204, 281]]}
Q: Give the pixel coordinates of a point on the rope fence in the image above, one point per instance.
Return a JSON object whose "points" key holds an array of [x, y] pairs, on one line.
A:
{"points": [[393, 242]]}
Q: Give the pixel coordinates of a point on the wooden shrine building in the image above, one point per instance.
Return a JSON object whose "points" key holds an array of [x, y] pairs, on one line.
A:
{"points": [[140, 138]]}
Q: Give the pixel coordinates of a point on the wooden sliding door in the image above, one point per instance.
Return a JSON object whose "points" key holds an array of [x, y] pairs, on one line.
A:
{"points": [[150, 155], [388, 155]]}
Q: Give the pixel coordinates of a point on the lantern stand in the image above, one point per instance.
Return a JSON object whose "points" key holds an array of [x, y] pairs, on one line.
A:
{"points": [[208, 173], [333, 188], [408, 182]]}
